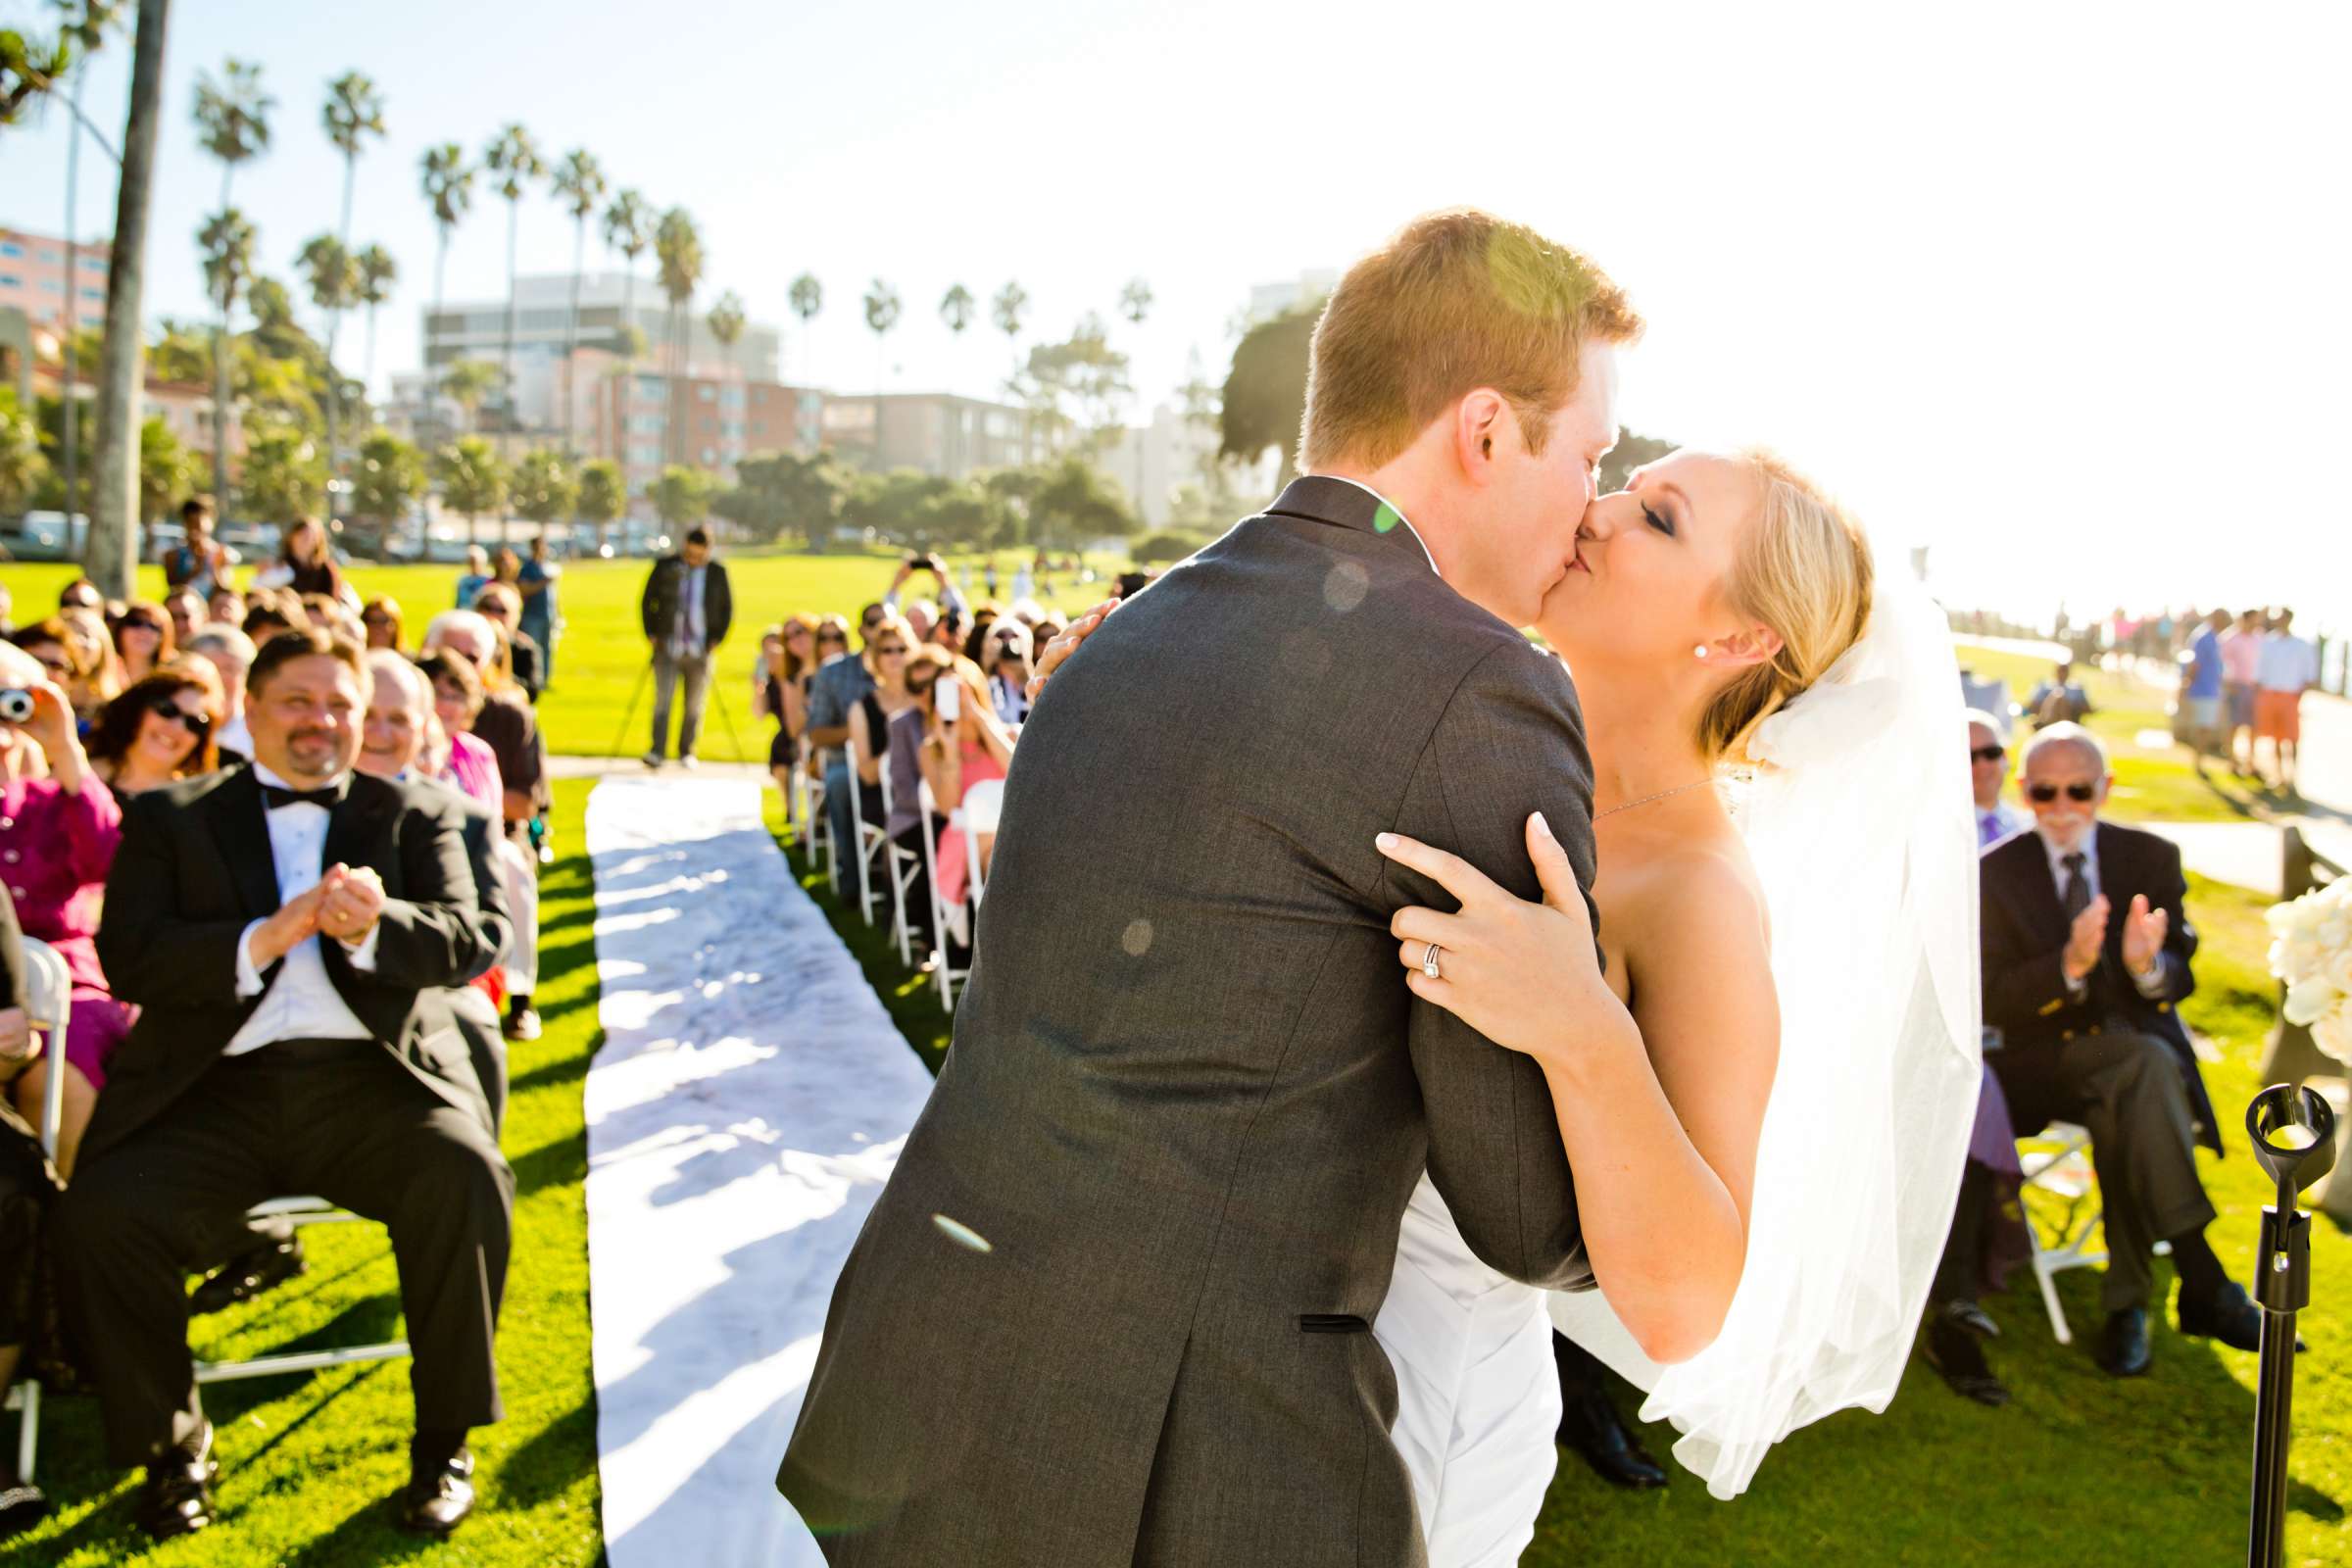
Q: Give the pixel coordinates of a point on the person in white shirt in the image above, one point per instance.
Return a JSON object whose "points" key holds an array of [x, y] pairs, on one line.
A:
{"points": [[1987, 772], [292, 933], [2287, 668]]}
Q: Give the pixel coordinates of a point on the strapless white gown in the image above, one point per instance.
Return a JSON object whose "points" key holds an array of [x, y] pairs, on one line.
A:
{"points": [[1477, 1398]]}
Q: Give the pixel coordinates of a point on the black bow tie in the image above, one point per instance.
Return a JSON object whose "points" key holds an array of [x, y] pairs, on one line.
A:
{"points": [[273, 797]]}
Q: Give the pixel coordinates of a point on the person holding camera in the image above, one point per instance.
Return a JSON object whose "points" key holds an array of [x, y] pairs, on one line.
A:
{"points": [[964, 757], [951, 598], [685, 611], [58, 828]]}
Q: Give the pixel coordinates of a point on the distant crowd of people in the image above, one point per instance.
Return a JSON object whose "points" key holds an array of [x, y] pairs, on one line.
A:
{"points": [[166, 757]]}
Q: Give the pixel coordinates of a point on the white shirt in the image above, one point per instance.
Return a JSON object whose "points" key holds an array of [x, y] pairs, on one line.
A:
{"points": [[690, 638], [2152, 983], [1393, 507], [2286, 663], [302, 1004], [1999, 823]]}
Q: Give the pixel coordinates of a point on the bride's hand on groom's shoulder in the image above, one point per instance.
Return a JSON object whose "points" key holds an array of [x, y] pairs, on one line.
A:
{"points": [[1524, 974], [1051, 656]]}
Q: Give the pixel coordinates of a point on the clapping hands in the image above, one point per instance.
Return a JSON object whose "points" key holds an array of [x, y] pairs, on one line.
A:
{"points": [[344, 905], [2144, 930]]}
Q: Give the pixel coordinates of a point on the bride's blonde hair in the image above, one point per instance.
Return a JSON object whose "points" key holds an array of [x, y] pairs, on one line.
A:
{"points": [[1804, 570]]}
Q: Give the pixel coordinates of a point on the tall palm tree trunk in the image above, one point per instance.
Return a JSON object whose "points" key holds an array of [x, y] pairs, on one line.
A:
{"points": [[220, 409], [115, 509], [334, 328]]}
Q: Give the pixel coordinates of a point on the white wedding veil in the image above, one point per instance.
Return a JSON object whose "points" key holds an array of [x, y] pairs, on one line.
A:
{"points": [[1858, 820]]}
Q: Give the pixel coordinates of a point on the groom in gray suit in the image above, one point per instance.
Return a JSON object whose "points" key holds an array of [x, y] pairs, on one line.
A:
{"points": [[1114, 1305]]}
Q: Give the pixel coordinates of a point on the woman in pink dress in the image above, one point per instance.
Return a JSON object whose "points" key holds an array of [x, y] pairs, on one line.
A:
{"points": [[964, 757], [58, 828]]}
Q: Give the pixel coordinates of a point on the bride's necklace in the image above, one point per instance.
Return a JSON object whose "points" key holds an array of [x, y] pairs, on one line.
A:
{"points": [[1647, 799]]}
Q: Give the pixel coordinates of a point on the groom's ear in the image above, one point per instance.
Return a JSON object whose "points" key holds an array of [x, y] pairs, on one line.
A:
{"points": [[1477, 426]]}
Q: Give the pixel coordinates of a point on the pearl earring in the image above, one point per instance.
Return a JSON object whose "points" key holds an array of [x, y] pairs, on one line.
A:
{"points": [[1700, 651]]}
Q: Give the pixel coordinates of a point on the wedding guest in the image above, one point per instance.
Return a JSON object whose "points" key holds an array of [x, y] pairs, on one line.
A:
{"points": [[536, 582], [207, 676], [52, 648], [269, 614], [143, 639], [949, 596], [507, 724], [2061, 699], [886, 655], [905, 825], [1988, 774], [199, 562], [28, 1187], [1005, 657], [685, 612], [323, 1077], [338, 618], [2086, 951], [839, 685], [186, 611], [470, 765], [225, 607], [499, 604], [477, 573], [964, 759], [2241, 663], [159, 731], [80, 594], [780, 691], [230, 652], [2287, 667], [98, 671], [305, 563], [2203, 691], [381, 622], [59, 826]]}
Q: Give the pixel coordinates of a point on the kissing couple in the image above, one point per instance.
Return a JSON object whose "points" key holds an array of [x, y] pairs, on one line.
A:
{"points": [[1359, 990]]}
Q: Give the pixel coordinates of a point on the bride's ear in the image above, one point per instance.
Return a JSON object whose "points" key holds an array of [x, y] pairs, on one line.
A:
{"points": [[1753, 646]]}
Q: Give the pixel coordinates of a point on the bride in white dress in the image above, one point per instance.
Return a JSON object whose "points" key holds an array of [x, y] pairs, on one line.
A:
{"points": [[1766, 1134]]}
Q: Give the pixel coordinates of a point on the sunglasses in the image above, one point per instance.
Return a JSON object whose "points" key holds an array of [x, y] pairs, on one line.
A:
{"points": [[795, 634], [198, 724], [1987, 754], [2044, 794], [142, 623], [375, 620], [891, 650]]}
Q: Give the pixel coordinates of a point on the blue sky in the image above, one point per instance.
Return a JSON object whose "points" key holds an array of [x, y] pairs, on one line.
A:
{"points": [[2054, 290]]}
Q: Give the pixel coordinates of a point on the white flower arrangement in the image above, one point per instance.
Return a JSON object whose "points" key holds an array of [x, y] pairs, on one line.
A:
{"points": [[2311, 950]]}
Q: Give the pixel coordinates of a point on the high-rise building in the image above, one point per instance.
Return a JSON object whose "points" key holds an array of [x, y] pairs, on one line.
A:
{"points": [[939, 432], [476, 330], [712, 423], [32, 278], [1269, 300]]}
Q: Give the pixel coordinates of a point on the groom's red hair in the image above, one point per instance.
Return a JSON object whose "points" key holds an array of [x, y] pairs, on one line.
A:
{"points": [[1456, 300]]}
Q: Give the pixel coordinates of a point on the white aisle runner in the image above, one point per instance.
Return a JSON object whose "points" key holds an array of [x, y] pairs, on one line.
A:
{"points": [[749, 1099]]}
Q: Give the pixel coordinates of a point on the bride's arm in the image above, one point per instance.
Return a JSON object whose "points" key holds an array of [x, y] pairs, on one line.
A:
{"points": [[1659, 1109]]}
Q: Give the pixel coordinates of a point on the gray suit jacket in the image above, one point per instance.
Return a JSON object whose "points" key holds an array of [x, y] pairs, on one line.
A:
{"points": [[1113, 1306]]}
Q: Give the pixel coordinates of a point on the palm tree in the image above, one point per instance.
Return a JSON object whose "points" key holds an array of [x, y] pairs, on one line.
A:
{"points": [[232, 117], [580, 180], [377, 273], [352, 112], [333, 275], [1005, 310], [678, 245], [882, 309], [726, 323], [1135, 302], [514, 157], [955, 308], [224, 244], [629, 230], [468, 385], [114, 515], [448, 184], [807, 297]]}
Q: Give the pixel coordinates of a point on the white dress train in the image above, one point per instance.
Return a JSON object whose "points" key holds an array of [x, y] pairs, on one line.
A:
{"points": [[1476, 1396]]}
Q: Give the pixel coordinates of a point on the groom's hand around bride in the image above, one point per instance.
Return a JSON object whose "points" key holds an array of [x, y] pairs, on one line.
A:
{"points": [[1526, 976]]}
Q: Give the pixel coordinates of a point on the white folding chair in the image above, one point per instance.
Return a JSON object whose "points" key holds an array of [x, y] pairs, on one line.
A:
{"points": [[50, 1007], [948, 975], [2057, 1160], [299, 1212], [902, 866], [870, 839]]}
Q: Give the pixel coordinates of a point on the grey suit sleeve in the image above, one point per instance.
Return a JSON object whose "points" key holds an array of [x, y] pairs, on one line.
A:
{"points": [[1510, 742]]}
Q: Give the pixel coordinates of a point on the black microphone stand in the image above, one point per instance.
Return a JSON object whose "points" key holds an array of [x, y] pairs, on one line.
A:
{"points": [[2282, 1288]]}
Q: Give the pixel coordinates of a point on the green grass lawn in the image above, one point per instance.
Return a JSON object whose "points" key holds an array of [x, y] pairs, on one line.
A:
{"points": [[2153, 782], [310, 1462], [2081, 1467], [602, 656]]}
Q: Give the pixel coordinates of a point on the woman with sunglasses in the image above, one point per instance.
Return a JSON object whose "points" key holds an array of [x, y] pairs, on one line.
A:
{"points": [[158, 731], [60, 825], [780, 691], [143, 640], [886, 654], [381, 622], [1005, 657]]}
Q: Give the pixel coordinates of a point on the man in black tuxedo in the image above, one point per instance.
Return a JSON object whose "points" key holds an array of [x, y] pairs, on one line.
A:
{"points": [[2087, 950], [290, 932], [686, 611]]}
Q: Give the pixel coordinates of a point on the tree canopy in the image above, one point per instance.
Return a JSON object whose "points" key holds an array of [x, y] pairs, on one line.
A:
{"points": [[1264, 400]]}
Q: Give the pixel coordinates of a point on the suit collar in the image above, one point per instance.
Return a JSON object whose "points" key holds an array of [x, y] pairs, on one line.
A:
{"points": [[1348, 504], [242, 829]]}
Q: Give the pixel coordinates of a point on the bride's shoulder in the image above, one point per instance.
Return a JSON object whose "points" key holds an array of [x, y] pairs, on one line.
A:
{"points": [[1674, 886]]}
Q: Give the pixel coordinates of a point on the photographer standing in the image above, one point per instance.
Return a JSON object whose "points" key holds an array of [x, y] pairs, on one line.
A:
{"points": [[686, 611]]}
